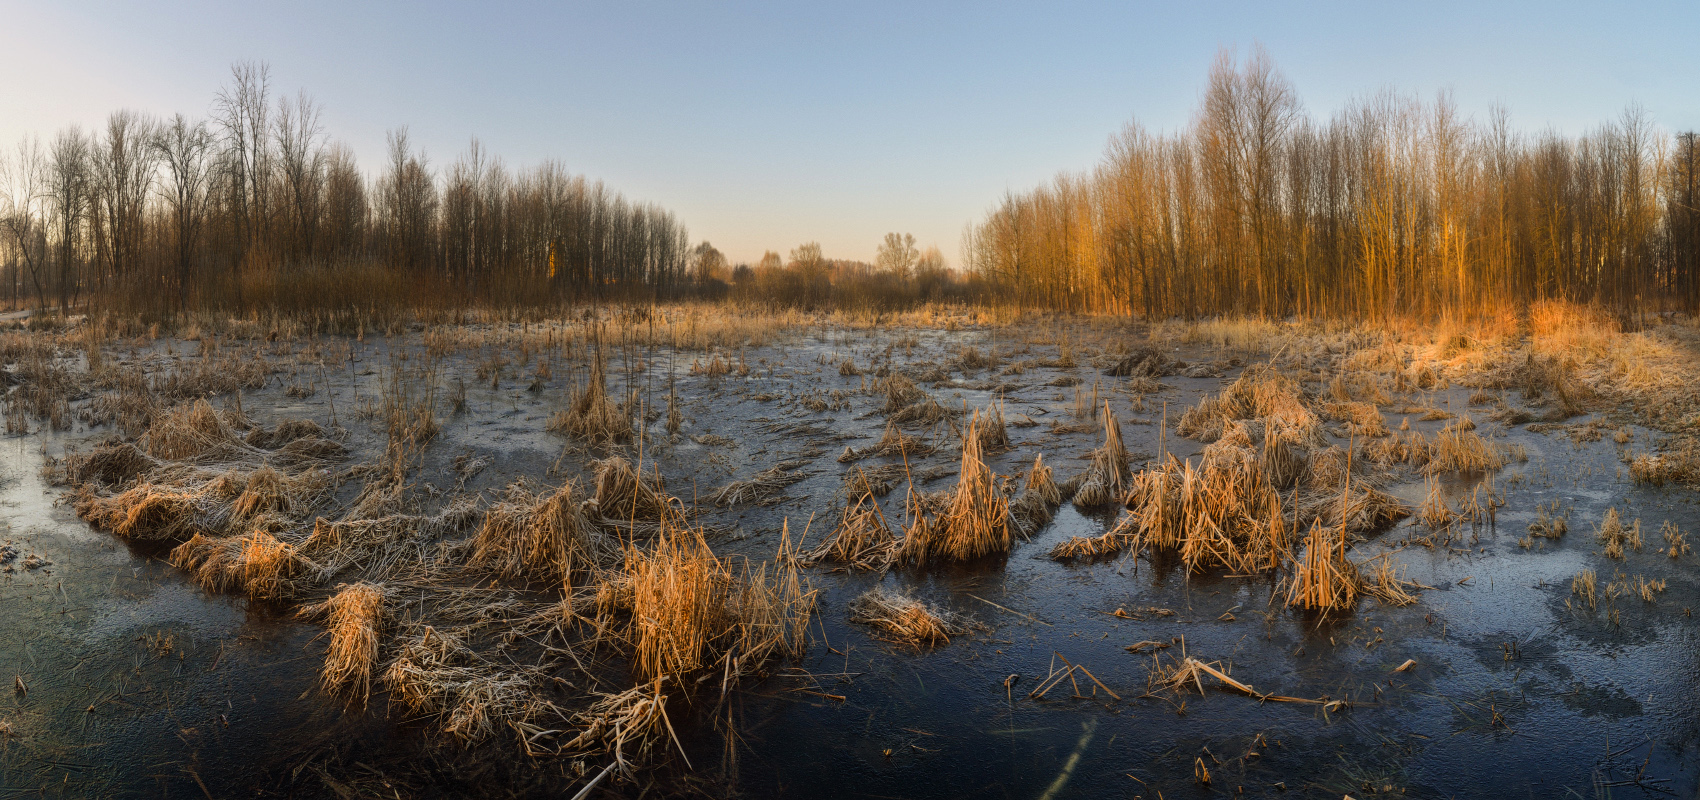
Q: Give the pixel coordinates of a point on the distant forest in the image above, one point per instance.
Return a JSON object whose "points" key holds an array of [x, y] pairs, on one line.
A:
{"points": [[256, 206], [1391, 207]]}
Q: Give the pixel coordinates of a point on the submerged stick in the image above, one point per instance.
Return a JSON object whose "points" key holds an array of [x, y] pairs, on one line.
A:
{"points": [[1010, 610]]}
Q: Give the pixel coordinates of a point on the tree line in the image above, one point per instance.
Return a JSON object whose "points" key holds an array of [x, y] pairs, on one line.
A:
{"points": [[256, 206], [1392, 206]]}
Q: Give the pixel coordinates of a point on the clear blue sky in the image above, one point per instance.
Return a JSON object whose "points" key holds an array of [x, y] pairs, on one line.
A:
{"points": [[767, 125]]}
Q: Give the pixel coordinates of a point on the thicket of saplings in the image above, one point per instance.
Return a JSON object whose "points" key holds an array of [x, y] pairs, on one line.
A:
{"points": [[464, 608], [1390, 207]]}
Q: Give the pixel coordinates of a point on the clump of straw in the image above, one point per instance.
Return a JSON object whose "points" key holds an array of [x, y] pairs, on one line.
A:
{"points": [[256, 564], [1106, 476], [540, 536], [353, 616], [623, 494], [190, 432], [1324, 580], [862, 538], [904, 618], [1038, 501], [975, 522], [592, 414]]}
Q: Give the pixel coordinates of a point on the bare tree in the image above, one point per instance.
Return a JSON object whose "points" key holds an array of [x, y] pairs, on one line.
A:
{"points": [[241, 111], [23, 184], [68, 185], [183, 147], [124, 162], [897, 255], [301, 165]]}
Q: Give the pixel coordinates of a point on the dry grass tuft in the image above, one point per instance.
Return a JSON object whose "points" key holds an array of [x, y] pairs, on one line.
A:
{"points": [[1106, 477], [112, 463], [900, 393], [893, 443], [689, 611], [862, 538], [762, 488], [436, 673], [1612, 533], [1679, 463], [353, 616], [1385, 585], [1219, 512], [1324, 580], [1550, 523], [976, 520], [256, 564], [1259, 393], [1458, 449], [925, 413], [145, 512], [994, 434], [1434, 512], [193, 432], [624, 495], [267, 491], [1122, 536], [904, 618], [1037, 504], [1676, 542], [592, 415], [1585, 586], [543, 537], [627, 725]]}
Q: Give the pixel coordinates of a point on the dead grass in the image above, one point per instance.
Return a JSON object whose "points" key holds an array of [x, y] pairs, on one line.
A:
{"points": [[1458, 449], [1386, 584], [1259, 393], [894, 442], [993, 433], [437, 673], [267, 491], [862, 539], [689, 611], [627, 725], [145, 512], [624, 495], [1217, 512], [762, 488], [194, 432], [1324, 580], [1122, 536], [353, 617], [1434, 512], [256, 564], [900, 393], [902, 617], [925, 413], [1679, 463], [976, 520], [1037, 504], [1615, 535], [1106, 476], [1550, 522], [1585, 586], [591, 414], [541, 536], [1676, 542], [112, 464]]}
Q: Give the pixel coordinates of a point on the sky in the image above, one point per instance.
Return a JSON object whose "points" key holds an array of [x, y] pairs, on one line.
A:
{"points": [[763, 126]]}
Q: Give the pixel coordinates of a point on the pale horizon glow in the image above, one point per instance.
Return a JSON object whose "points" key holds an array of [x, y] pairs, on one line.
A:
{"points": [[763, 126]]}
